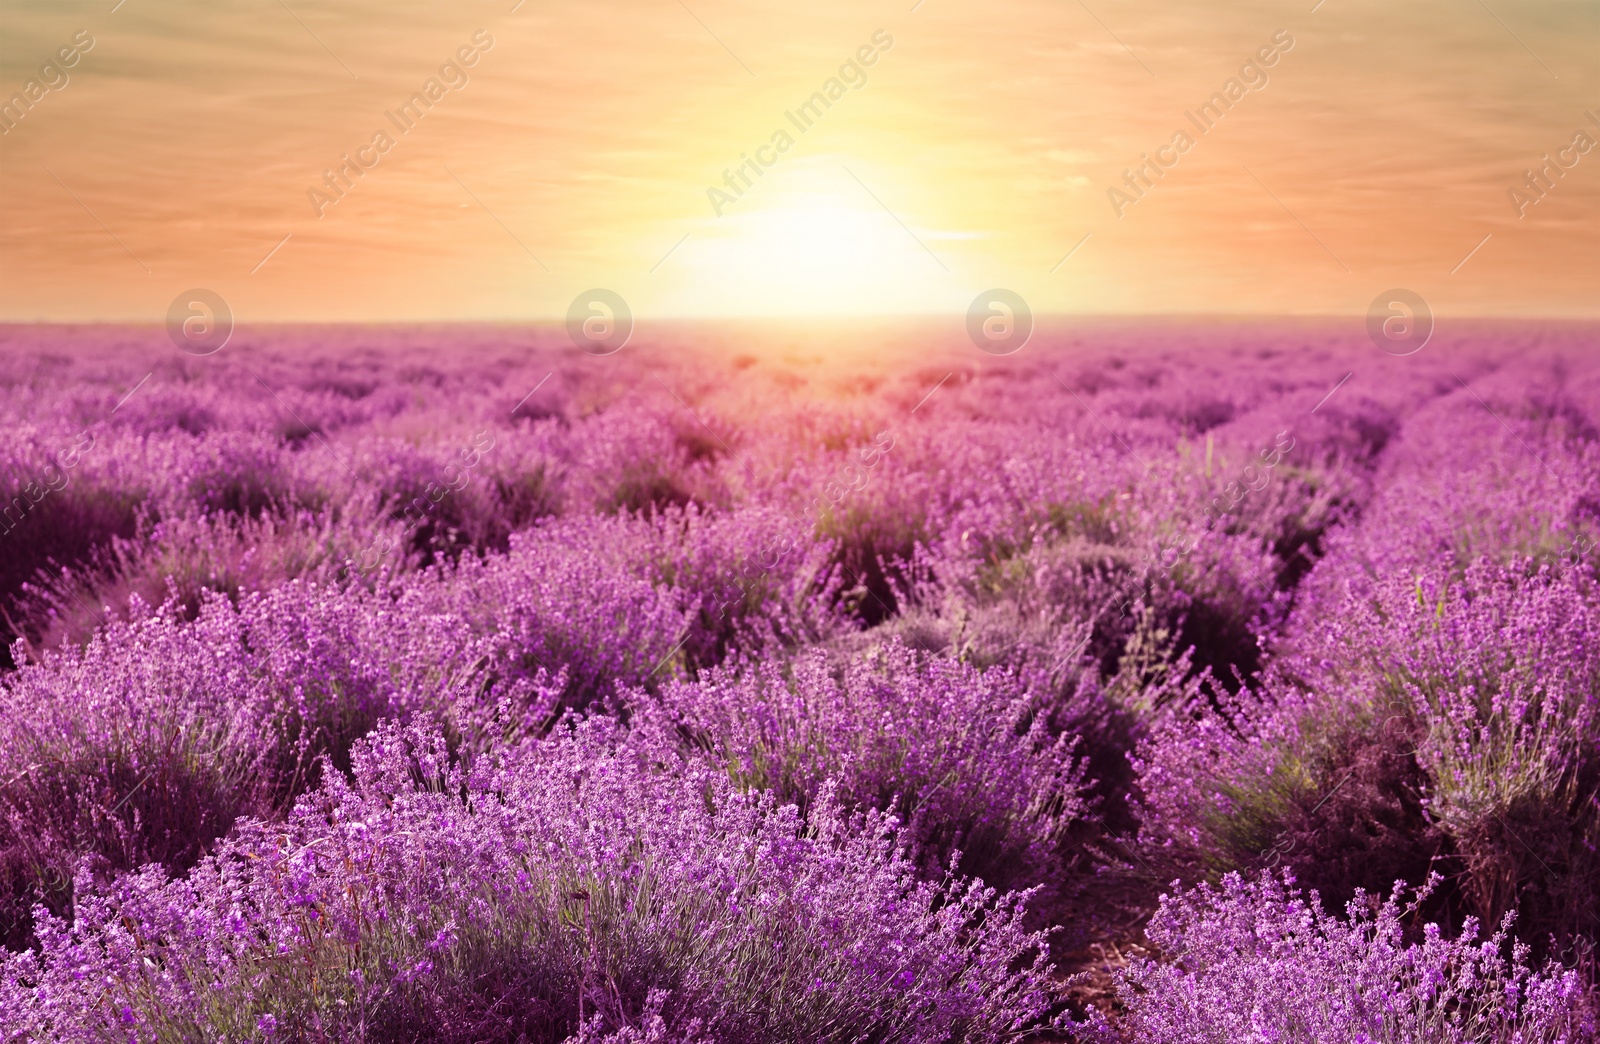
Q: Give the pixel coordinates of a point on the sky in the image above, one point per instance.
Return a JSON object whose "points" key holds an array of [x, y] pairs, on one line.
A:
{"points": [[1358, 146]]}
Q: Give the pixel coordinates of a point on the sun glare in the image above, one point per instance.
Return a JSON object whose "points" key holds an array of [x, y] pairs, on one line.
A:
{"points": [[812, 240]]}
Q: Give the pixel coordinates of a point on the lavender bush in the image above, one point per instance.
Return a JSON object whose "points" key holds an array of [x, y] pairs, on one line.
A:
{"points": [[1259, 961], [586, 887], [964, 758]]}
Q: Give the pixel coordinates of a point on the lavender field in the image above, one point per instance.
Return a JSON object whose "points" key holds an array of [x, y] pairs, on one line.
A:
{"points": [[1163, 683]]}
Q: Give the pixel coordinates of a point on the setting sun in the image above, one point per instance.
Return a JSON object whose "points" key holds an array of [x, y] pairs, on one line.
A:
{"points": [[813, 241]]}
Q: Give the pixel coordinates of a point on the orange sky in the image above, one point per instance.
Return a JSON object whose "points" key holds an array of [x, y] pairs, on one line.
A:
{"points": [[181, 148]]}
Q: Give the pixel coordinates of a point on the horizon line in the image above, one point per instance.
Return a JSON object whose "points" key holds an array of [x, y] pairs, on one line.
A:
{"points": [[1039, 317]]}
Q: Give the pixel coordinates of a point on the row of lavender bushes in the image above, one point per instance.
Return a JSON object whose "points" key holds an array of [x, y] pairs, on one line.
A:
{"points": [[1427, 717], [790, 707]]}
